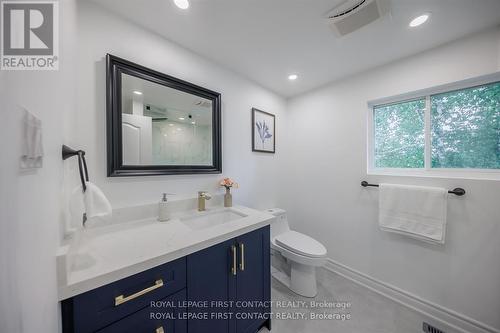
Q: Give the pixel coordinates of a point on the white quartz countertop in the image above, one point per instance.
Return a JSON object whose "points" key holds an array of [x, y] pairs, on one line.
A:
{"points": [[99, 256]]}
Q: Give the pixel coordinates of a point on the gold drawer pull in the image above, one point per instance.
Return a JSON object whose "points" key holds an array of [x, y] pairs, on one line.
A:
{"points": [[233, 269], [122, 299], [242, 259], [160, 330]]}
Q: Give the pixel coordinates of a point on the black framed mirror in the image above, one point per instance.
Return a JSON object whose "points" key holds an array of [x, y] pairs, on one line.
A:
{"points": [[158, 124]]}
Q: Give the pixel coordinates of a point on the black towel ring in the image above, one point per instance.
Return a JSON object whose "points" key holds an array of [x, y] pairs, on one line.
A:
{"points": [[68, 152]]}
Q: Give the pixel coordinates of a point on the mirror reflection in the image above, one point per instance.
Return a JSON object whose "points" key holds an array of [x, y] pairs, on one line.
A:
{"points": [[164, 126]]}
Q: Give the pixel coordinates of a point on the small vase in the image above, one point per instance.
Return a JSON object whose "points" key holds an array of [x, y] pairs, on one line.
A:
{"points": [[228, 198]]}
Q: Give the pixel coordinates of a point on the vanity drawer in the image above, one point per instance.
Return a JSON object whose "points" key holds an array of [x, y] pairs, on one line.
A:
{"points": [[100, 307], [154, 319]]}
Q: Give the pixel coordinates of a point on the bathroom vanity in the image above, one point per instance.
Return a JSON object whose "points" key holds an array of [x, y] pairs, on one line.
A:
{"points": [[200, 272]]}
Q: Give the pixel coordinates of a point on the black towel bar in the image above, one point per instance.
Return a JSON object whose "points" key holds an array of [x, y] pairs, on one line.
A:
{"points": [[457, 191]]}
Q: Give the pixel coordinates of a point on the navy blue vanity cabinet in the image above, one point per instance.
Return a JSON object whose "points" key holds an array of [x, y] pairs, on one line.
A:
{"points": [[93, 310], [154, 319], [210, 279], [236, 276], [253, 281], [221, 289]]}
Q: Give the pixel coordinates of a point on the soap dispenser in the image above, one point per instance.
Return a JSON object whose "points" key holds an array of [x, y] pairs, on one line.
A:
{"points": [[163, 214]]}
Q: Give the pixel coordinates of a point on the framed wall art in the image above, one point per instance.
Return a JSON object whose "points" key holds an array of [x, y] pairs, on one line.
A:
{"points": [[263, 131]]}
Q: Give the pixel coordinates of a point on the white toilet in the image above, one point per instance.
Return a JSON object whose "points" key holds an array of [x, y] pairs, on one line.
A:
{"points": [[294, 256]]}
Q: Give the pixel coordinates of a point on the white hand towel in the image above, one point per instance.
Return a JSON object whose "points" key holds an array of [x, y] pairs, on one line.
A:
{"points": [[93, 203], [32, 149], [414, 211], [97, 206]]}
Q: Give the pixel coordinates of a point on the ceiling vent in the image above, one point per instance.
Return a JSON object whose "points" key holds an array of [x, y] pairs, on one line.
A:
{"points": [[355, 14]]}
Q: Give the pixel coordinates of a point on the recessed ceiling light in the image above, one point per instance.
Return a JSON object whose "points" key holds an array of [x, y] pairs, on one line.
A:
{"points": [[170, 124], [419, 20], [137, 92], [181, 118], [193, 122], [293, 77], [182, 4]]}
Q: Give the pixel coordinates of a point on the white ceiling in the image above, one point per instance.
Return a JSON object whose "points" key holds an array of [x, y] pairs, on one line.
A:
{"points": [[265, 40]]}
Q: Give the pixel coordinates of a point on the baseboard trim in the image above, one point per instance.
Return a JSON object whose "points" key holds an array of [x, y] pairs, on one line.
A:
{"points": [[444, 316]]}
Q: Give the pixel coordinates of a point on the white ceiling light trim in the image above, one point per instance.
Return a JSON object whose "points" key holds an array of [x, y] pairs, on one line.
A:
{"points": [[293, 77], [182, 4], [419, 20]]}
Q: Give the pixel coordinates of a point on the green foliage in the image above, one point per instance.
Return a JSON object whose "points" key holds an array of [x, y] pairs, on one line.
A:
{"points": [[466, 128], [399, 135]]}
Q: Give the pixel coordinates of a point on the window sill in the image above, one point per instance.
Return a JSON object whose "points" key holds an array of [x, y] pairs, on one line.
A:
{"points": [[493, 175]]}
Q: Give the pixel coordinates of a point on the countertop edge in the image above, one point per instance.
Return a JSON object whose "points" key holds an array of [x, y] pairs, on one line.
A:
{"points": [[68, 291]]}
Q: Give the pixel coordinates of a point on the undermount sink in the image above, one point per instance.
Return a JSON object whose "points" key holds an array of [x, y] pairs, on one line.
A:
{"points": [[211, 219]]}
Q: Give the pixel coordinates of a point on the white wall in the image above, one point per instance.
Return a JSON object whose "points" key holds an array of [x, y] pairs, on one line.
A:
{"points": [[30, 201], [71, 104], [326, 151], [326, 141], [102, 32]]}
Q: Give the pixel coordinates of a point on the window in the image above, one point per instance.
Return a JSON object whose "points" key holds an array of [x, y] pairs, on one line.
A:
{"points": [[466, 128], [456, 127], [400, 135]]}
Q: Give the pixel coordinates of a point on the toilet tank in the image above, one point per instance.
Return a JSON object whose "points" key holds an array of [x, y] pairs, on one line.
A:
{"points": [[280, 223]]}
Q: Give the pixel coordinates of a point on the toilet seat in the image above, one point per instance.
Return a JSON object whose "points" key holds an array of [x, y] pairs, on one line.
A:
{"points": [[301, 244]]}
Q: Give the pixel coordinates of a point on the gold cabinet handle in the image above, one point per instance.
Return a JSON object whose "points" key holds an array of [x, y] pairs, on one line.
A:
{"points": [[233, 268], [122, 299], [242, 259], [160, 330]]}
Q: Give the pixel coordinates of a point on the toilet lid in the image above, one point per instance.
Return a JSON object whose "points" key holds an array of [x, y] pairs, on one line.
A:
{"points": [[301, 244]]}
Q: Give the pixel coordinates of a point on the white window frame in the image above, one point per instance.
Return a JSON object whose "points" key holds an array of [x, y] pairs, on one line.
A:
{"points": [[427, 171]]}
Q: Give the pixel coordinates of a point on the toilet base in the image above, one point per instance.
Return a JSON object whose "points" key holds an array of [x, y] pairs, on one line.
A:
{"points": [[302, 279]]}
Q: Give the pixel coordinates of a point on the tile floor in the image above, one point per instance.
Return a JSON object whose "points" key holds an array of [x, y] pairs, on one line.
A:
{"points": [[369, 311]]}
